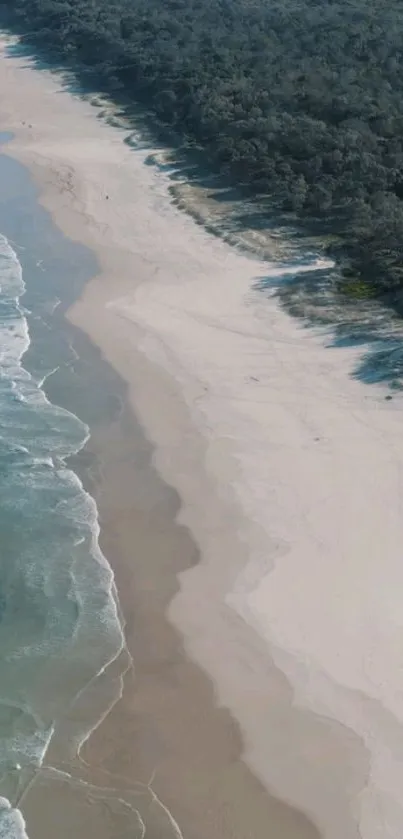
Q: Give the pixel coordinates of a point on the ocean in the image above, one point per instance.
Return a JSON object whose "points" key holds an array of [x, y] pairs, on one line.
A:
{"points": [[59, 616]]}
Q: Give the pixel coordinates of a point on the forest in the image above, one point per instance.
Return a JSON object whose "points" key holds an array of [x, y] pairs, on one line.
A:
{"points": [[297, 101]]}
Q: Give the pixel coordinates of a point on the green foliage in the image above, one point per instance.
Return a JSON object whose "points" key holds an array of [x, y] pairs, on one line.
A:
{"points": [[301, 101]]}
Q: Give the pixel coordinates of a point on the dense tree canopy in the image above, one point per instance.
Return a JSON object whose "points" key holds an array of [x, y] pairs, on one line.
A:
{"points": [[301, 100]]}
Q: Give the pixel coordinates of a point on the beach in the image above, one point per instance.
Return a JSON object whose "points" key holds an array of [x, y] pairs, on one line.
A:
{"points": [[249, 499]]}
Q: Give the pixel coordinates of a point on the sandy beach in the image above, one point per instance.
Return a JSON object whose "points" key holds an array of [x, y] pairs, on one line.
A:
{"points": [[250, 500]]}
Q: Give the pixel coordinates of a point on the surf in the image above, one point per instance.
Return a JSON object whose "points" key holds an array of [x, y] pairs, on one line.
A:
{"points": [[60, 625]]}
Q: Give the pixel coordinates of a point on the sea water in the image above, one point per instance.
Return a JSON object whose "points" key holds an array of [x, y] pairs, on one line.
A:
{"points": [[59, 621]]}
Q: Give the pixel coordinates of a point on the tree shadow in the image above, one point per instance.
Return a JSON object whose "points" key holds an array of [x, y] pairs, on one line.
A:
{"points": [[245, 221], [238, 208], [314, 298]]}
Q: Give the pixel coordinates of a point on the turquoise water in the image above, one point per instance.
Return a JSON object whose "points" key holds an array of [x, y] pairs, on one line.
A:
{"points": [[59, 623]]}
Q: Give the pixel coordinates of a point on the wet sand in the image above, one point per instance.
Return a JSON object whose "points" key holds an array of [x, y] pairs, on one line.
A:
{"points": [[249, 710], [168, 727], [168, 759]]}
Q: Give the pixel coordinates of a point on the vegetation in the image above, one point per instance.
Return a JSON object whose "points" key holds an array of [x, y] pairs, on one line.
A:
{"points": [[301, 101]]}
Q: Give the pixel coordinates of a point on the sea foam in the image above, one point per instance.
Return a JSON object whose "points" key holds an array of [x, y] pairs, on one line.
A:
{"points": [[59, 616]]}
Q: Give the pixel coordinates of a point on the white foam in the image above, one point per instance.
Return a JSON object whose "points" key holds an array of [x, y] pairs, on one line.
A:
{"points": [[29, 748], [12, 824], [24, 750], [47, 376], [15, 341]]}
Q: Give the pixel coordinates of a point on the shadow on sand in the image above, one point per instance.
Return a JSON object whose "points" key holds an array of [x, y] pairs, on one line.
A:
{"points": [[252, 224]]}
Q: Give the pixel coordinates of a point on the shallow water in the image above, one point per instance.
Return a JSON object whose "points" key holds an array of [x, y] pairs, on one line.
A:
{"points": [[59, 622]]}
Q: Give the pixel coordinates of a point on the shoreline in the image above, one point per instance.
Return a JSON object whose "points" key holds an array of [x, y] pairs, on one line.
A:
{"points": [[234, 397], [200, 774]]}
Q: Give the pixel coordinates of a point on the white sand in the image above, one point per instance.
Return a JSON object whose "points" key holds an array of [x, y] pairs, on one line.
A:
{"points": [[290, 471]]}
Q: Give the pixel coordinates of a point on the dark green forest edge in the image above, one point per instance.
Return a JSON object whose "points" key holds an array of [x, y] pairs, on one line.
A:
{"points": [[299, 101]]}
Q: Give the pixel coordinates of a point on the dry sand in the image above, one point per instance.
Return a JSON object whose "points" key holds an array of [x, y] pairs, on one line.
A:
{"points": [[289, 475]]}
